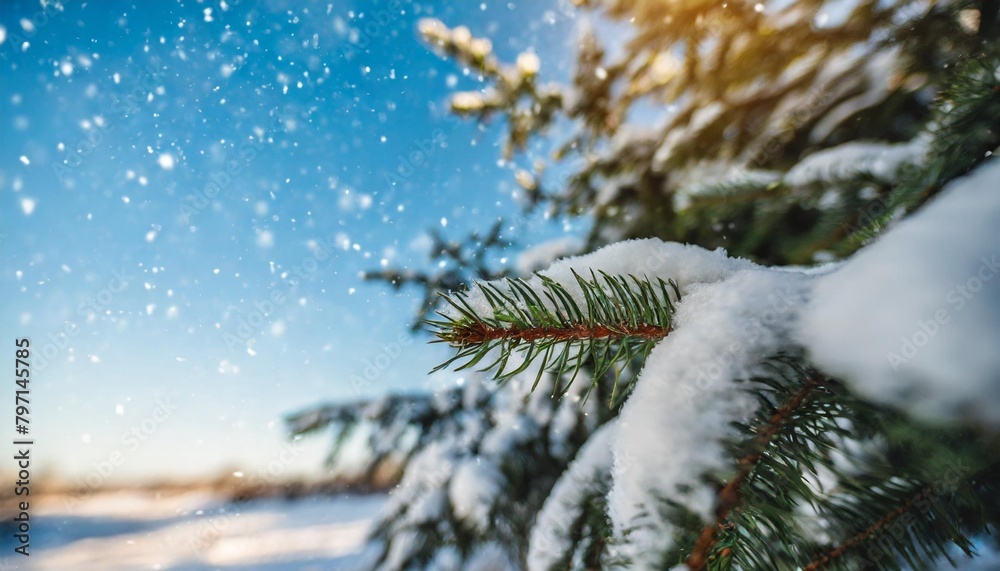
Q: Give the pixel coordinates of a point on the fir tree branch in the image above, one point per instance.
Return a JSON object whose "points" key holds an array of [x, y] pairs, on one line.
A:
{"points": [[608, 320], [962, 137], [456, 263], [868, 532], [478, 333], [731, 495], [953, 532]]}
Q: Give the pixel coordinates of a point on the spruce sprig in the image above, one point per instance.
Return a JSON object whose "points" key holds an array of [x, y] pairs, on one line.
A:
{"points": [[612, 320], [963, 136]]}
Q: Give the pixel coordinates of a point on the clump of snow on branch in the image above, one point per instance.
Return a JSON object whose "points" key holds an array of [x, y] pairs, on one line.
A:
{"points": [[448, 488], [551, 536], [724, 330], [473, 492], [913, 320], [880, 161]]}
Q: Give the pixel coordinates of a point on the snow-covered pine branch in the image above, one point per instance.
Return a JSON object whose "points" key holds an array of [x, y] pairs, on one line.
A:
{"points": [[602, 321], [702, 382]]}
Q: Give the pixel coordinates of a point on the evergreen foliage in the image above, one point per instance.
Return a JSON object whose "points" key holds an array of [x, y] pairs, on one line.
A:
{"points": [[620, 320], [456, 264], [786, 140]]}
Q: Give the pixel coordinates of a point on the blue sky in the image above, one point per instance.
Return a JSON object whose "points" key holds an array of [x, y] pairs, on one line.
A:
{"points": [[190, 190]]}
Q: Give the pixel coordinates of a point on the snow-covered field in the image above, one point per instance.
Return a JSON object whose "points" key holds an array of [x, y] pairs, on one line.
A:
{"points": [[197, 531]]}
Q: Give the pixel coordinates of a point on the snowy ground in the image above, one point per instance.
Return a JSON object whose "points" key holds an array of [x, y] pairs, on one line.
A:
{"points": [[196, 531]]}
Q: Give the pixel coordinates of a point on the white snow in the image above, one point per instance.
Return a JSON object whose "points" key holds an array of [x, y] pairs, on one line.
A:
{"points": [[851, 317], [265, 239], [542, 255], [508, 433], [834, 13], [704, 116], [490, 557], [708, 175], [405, 543], [427, 472], [910, 321], [473, 491], [913, 320], [166, 161], [723, 331], [428, 508], [447, 558], [195, 531], [564, 421], [878, 160], [877, 73], [528, 63], [549, 536]]}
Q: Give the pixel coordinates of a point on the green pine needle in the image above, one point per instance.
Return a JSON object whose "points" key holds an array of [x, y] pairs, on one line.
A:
{"points": [[619, 320]]}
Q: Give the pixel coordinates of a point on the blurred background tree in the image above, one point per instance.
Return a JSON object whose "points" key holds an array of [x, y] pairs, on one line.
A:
{"points": [[788, 133]]}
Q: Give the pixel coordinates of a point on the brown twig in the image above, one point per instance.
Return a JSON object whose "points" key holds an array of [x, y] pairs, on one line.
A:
{"points": [[868, 532], [731, 495], [479, 333]]}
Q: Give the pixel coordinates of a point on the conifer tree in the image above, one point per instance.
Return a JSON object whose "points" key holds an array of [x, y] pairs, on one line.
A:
{"points": [[652, 405]]}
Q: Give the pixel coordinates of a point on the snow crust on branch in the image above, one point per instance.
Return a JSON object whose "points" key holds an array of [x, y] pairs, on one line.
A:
{"points": [[880, 161], [670, 430], [551, 534], [474, 490], [913, 320], [454, 483]]}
